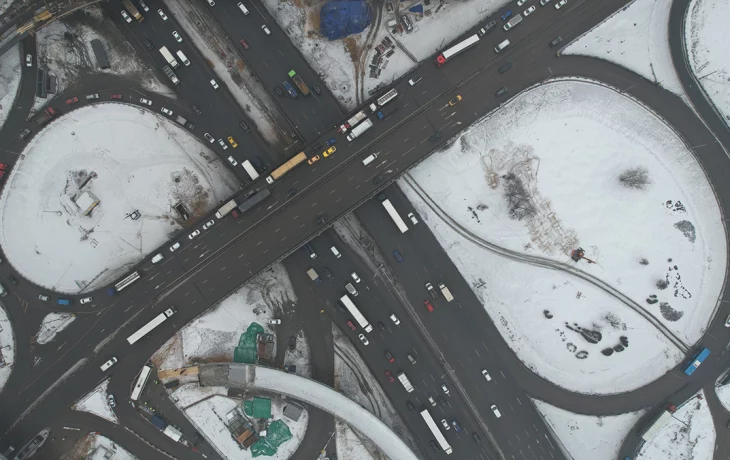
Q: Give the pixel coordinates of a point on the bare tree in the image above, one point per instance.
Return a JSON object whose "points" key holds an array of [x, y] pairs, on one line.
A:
{"points": [[636, 178], [518, 199]]}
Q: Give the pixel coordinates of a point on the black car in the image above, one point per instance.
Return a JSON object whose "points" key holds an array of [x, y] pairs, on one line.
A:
{"points": [[197, 110], [505, 67], [190, 126], [556, 40], [340, 307], [501, 91], [278, 91], [476, 437], [13, 280], [377, 179], [435, 446], [410, 405], [435, 136], [258, 164], [321, 219], [244, 126], [381, 326], [441, 401], [328, 274], [489, 27], [317, 90], [148, 44], [293, 343], [291, 192], [24, 134]]}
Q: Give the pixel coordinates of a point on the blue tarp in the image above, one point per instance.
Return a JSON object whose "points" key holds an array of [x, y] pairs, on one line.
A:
{"points": [[340, 18], [416, 9]]}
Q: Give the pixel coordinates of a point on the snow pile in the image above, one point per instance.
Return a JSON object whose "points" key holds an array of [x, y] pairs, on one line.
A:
{"points": [[97, 404], [636, 38], [130, 160], [52, 324], [661, 245], [208, 416], [97, 445], [707, 43], [723, 394], [584, 436], [7, 347], [689, 434], [10, 72]]}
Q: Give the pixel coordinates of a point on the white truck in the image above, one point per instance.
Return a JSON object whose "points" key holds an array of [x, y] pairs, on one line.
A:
{"points": [[405, 382], [169, 58], [359, 129], [354, 120], [445, 291], [512, 22]]}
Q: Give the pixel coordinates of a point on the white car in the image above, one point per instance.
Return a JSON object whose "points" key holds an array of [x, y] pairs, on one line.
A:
{"points": [[496, 411], [211, 3], [222, 144], [144, 5], [544, 2], [29, 60], [126, 16], [194, 234], [232, 161], [275, 321], [529, 10], [166, 111], [413, 218], [214, 84], [521, 2], [445, 424], [177, 36], [162, 14], [355, 277], [560, 4], [395, 319], [444, 388], [145, 101], [363, 339], [86, 300], [43, 297], [112, 402], [486, 375], [208, 138], [266, 29], [208, 224], [175, 246], [727, 321]]}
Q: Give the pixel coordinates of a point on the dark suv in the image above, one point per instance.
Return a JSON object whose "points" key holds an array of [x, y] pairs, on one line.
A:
{"points": [[501, 91], [505, 67]]}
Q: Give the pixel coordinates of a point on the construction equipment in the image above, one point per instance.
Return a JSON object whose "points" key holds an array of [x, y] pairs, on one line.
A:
{"points": [[578, 254]]}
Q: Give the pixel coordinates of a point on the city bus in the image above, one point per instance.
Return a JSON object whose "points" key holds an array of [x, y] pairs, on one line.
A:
{"points": [[356, 313], [445, 446], [393, 214], [131, 278], [141, 382], [147, 328], [696, 360]]}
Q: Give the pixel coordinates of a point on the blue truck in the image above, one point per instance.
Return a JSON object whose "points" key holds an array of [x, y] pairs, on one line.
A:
{"points": [[386, 112], [696, 360], [290, 89]]}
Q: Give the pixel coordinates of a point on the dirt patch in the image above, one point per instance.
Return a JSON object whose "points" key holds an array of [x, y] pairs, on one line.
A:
{"points": [[80, 449], [313, 22], [354, 49]]}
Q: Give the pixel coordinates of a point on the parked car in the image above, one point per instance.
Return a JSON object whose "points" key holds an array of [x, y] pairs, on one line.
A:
{"points": [[145, 101], [112, 402], [415, 80], [278, 91], [394, 319], [556, 40], [117, 97], [24, 133], [507, 14], [29, 60], [317, 89], [293, 342], [455, 424], [72, 101], [413, 218], [44, 298], [410, 405], [275, 321], [381, 326], [86, 300], [197, 110], [329, 151], [166, 111], [148, 44], [144, 5], [529, 10], [214, 84], [355, 277], [209, 138]]}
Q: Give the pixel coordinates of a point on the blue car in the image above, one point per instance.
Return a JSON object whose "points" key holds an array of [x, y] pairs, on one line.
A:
{"points": [[290, 89], [397, 256], [332, 141], [506, 15], [63, 302]]}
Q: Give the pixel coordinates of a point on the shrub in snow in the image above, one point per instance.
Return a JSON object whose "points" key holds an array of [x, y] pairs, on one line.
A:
{"points": [[518, 199], [644, 262], [662, 284], [636, 178]]}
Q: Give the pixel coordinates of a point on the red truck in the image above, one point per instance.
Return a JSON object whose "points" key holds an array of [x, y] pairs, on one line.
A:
{"points": [[45, 116]]}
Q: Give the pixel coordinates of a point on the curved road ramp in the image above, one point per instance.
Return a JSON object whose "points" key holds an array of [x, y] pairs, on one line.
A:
{"points": [[247, 377]]}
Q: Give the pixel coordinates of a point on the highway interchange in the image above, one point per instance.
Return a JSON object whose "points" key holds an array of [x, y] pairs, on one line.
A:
{"points": [[207, 269]]}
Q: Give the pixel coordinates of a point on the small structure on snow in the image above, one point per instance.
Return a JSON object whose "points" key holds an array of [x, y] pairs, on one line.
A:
{"points": [[86, 202]]}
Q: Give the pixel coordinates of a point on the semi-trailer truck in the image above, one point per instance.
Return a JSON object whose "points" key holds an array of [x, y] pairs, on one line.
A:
{"points": [[354, 120], [254, 200], [171, 75], [286, 167], [299, 82], [169, 57], [359, 129], [405, 382]]}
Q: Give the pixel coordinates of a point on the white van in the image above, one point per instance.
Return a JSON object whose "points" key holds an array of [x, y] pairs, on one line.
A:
{"points": [[183, 58], [157, 258], [243, 9], [3, 292], [501, 46], [335, 252], [369, 159], [351, 289], [108, 364]]}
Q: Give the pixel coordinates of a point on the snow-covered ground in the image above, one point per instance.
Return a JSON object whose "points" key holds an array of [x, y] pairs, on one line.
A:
{"points": [[597, 438], [160, 165], [350, 444], [665, 240], [7, 347], [207, 409], [723, 393], [343, 64], [96, 403], [352, 376], [637, 38], [64, 47], [94, 442], [9, 80], [52, 324], [5, 4], [707, 43], [690, 435]]}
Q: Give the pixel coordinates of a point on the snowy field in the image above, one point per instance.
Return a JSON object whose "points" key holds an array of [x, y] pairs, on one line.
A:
{"points": [[52, 324], [208, 416], [597, 438], [635, 38], [723, 393], [64, 47], [343, 64], [350, 444], [9, 80], [102, 445], [90, 150], [661, 241], [689, 435], [707, 43], [96, 403], [7, 347]]}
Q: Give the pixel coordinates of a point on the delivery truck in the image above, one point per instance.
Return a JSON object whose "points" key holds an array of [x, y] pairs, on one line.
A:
{"points": [[359, 129], [299, 82]]}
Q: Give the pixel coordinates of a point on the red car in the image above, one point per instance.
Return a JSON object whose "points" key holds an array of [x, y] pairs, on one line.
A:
{"points": [[428, 305], [244, 44], [117, 96], [352, 326], [3, 166], [389, 376], [389, 356], [72, 101]]}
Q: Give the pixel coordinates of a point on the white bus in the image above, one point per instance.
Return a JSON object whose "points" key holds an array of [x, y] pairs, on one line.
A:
{"points": [[147, 328], [436, 432], [393, 214], [384, 99], [141, 382], [356, 313], [252, 173], [456, 49], [131, 278]]}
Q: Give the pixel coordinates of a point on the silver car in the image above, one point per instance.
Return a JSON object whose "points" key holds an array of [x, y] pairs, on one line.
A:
{"points": [[363, 339], [208, 224], [194, 234]]}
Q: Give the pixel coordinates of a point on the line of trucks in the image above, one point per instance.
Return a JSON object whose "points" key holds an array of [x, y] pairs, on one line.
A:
{"points": [[359, 122], [242, 203]]}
